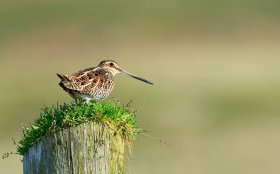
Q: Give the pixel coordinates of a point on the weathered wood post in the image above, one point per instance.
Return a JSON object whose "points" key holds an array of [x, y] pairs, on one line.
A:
{"points": [[87, 148], [78, 138]]}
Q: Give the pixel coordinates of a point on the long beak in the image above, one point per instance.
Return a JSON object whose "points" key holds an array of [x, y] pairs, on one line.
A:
{"points": [[131, 75]]}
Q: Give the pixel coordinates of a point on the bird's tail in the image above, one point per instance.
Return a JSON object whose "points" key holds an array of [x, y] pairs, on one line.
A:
{"points": [[64, 80], [63, 77]]}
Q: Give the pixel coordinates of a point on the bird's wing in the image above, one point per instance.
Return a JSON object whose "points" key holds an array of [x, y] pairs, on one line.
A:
{"points": [[83, 81]]}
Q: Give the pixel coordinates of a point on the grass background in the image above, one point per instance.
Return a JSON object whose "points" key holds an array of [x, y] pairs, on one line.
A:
{"points": [[215, 65]]}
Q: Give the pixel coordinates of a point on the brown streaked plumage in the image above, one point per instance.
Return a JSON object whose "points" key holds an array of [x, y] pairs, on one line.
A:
{"points": [[95, 83]]}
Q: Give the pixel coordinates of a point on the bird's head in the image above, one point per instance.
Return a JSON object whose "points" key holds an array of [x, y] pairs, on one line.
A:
{"points": [[114, 68]]}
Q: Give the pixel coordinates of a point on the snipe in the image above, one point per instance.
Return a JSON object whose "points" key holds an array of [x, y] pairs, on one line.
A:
{"points": [[95, 83]]}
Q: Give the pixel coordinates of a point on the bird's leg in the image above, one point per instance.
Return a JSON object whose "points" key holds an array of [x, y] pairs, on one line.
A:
{"points": [[87, 100], [76, 101]]}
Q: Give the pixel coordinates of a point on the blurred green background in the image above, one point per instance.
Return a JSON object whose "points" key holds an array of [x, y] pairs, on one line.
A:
{"points": [[215, 65]]}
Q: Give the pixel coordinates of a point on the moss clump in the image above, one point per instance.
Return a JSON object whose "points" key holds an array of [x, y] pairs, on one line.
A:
{"points": [[117, 117]]}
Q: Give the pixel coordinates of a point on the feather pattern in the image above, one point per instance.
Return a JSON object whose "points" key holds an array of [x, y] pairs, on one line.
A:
{"points": [[92, 83]]}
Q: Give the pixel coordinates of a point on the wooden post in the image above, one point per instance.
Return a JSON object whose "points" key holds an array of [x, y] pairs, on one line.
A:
{"points": [[87, 148]]}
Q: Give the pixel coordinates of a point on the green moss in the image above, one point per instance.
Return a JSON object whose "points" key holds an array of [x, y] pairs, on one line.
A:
{"points": [[115, 116]]}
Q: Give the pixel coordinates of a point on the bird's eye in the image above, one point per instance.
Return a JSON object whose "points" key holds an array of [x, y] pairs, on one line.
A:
{"points": [[111, 64]]}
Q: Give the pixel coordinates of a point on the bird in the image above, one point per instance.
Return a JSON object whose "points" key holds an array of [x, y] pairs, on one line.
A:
{"points": [[94, 83]]}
